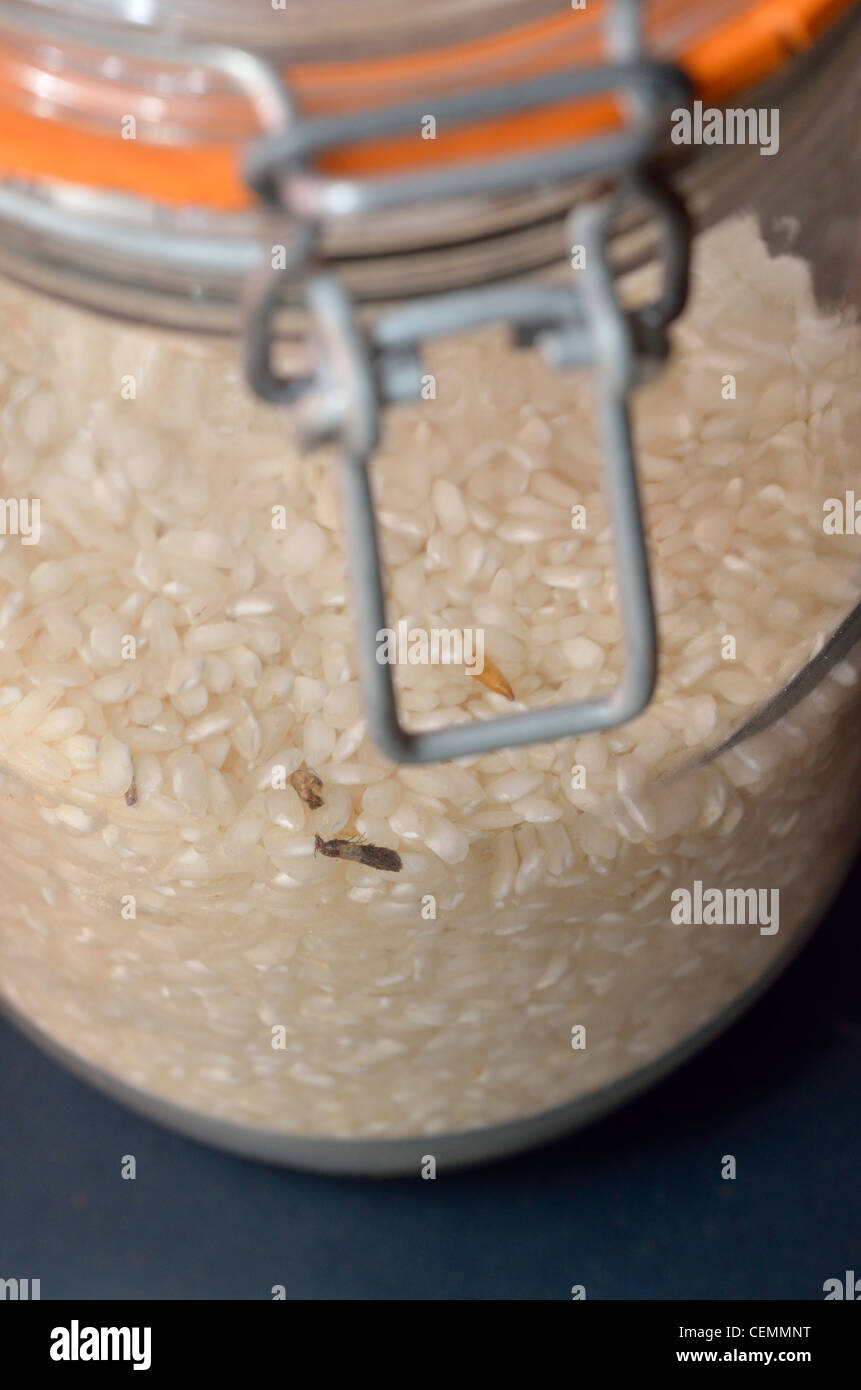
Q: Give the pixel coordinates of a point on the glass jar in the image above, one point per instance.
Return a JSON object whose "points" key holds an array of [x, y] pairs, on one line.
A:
{"points": [[221, 901]]}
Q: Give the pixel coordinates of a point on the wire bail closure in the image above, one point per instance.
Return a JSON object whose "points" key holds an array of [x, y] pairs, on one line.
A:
{"points": [[358, 371]]}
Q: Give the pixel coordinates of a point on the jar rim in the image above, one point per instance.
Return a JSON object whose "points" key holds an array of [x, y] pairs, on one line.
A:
{"points": [[193, 164], [184, 268]]}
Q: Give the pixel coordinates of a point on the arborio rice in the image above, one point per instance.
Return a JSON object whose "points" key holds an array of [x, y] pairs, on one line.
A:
{"points": [[164, 914]]}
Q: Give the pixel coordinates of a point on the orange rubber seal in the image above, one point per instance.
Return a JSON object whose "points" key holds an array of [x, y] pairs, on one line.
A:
{"points": [[735, 54]]}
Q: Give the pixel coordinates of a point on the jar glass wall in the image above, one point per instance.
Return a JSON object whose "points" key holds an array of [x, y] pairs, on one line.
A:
{"points": [[182, 728]]}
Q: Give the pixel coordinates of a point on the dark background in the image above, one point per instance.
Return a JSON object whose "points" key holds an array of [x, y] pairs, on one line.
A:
{"points": [[632, 1208]]}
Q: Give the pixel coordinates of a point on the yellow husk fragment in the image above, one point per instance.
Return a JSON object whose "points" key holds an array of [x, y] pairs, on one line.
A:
{"points": [[492, 677]]}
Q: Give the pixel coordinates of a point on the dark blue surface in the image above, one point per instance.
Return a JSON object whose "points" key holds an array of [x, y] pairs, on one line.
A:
{"points": [[632, 1208]]}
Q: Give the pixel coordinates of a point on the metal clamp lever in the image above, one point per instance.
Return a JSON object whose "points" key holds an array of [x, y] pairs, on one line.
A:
{"points": [[276, 164], [355, 375], [607, 340]]}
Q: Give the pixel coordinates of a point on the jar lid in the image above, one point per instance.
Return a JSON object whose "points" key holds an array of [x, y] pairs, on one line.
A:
{"points": [[123, 128], [80, 105]]}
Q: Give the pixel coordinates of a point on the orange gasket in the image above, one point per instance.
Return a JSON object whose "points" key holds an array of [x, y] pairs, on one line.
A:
{"points": [[734, 55]]}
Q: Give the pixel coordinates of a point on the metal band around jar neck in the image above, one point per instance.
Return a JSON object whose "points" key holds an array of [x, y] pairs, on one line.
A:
{"points": [[356, 372]]}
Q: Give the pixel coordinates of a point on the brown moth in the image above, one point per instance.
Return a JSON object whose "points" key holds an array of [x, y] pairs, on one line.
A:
{"points": [[372, 856], [308, 785]]}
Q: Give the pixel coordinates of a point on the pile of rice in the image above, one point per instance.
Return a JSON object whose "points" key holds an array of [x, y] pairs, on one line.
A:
{"points": [[551, 900]]}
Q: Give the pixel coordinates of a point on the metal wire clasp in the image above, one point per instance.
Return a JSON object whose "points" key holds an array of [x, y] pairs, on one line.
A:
{"points": [[355, 372]]}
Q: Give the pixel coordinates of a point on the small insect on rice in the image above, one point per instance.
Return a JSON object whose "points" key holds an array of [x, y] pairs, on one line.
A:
{"points": [[308, 785], [132, 793], [372, 856]]}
